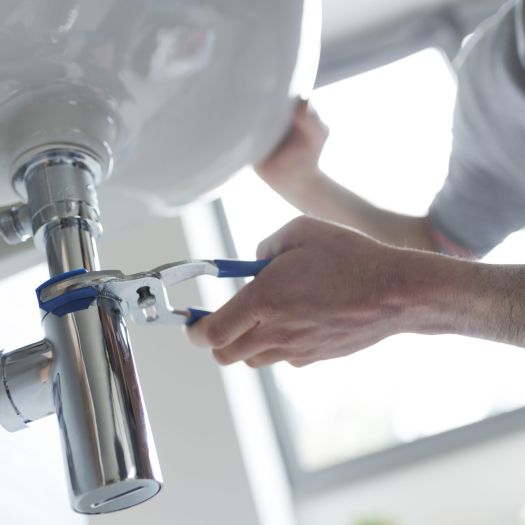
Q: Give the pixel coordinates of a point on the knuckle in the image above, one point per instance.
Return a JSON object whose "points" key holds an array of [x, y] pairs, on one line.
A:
{"points": [[303, 361], [305, 358], [302, 224], [261, 250], [299, 222]]}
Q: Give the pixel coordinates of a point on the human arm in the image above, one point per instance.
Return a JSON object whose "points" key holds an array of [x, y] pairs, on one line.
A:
{"points": [[293, 172], [482, 198], [331, 291]]}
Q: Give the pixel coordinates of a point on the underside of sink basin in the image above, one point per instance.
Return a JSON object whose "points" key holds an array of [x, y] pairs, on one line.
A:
{"points": [[172, 96]]}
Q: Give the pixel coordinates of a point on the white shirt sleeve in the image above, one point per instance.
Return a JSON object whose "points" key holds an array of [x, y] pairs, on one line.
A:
{"points": [[483, 198]]}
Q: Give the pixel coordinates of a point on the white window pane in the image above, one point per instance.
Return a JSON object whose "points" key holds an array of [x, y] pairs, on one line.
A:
{"points": [[32, 464], [19, 310]]}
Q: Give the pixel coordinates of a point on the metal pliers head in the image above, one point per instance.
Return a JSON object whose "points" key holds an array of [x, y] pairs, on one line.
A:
{"points": [[143, 296]]}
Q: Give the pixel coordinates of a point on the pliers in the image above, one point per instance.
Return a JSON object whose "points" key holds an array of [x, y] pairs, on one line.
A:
{"points": [[143, 295]]}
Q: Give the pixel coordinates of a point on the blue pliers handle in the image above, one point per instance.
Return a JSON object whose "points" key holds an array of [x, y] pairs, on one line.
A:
{"points": [[236, 268], [228, 268]]}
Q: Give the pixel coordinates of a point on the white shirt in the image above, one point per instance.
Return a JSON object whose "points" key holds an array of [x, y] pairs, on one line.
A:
{"points": [[483, 198]]}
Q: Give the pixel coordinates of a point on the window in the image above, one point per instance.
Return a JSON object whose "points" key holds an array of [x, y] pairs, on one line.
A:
{"points": [[390, 142], [20, 313]]}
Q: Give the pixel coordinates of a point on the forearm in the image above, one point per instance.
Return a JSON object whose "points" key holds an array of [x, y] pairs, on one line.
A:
{"points": [[330, 291], [446, 295], [324, 198]]}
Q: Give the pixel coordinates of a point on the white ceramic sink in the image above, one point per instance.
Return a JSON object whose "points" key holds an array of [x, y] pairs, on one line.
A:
{"points": [[176, 94]]}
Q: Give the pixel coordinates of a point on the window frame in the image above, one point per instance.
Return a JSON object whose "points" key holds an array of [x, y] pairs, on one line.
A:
{"points": [[305, 483]]}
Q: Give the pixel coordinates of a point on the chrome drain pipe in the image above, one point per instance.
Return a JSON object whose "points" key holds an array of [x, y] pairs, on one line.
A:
{"points": [[84, 370]]}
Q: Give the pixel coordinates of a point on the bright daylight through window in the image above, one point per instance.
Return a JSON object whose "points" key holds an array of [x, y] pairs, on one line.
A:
{"points": [[390, 142], [25, 327]]}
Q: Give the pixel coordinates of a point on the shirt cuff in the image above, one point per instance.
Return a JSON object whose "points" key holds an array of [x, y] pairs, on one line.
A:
{"points": [[448, 247]]}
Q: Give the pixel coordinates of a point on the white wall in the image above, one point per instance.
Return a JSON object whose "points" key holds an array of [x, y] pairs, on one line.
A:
{"points": [[33, 487]]}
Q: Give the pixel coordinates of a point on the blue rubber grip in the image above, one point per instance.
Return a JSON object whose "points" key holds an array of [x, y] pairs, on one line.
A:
{"points": [[236, 268], [69, 302], [196, 314]]}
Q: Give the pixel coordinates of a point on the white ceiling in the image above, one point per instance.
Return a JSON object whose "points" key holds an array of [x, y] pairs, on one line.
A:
{"points": [[360, 34], [341, 17]]}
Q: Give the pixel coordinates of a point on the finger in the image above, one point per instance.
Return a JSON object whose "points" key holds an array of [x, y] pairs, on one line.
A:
{"points": [[245, 347], [306, 112], [303, 106], [269, 357], [302, 111], [300, 363], [293, 235], [227, 324], [306, 115], [262, 167], [289, 138]]}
